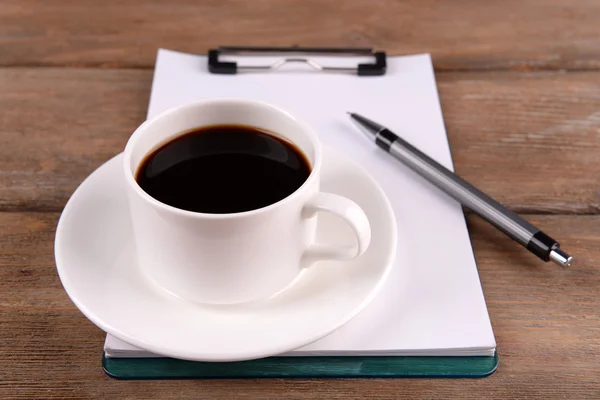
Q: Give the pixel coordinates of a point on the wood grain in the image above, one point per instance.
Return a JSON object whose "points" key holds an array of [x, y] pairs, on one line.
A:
{"points": [[461, 35], [531, 140], [74, 83], [546, 321]]}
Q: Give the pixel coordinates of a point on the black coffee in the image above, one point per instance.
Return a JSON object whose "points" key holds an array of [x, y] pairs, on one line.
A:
{"points": [[223, 169]]}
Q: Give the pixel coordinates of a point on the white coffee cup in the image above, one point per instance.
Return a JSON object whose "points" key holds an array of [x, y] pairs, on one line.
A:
{"points": [[237, 257]]}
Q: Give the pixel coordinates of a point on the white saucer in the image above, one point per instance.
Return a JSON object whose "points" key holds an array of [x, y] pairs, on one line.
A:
{"points": [[97, 267]]}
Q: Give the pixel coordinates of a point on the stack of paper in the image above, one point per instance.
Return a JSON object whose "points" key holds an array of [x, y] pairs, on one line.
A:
{"points": [[437, 307]]}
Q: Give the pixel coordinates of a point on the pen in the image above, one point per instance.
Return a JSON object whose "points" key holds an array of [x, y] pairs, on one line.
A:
{"points": [[489, 209]]}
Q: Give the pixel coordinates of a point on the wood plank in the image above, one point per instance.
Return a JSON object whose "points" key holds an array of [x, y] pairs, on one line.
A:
{"points": [[525, 138], [530, 140], [58, 125], [546, 320], [522, 35]]}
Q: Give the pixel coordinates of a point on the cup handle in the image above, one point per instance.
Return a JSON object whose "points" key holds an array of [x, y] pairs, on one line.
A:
{"points": [[350, 212]]}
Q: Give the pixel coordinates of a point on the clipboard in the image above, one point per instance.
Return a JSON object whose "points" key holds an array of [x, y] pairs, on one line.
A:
{"points": [[295, 54], [347, 78], [303, 367]]}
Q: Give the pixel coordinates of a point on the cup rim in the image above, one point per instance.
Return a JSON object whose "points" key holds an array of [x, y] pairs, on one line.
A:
{"points": [[139, 131]]}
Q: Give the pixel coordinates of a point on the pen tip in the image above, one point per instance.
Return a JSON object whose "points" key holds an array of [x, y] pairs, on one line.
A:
{"points": [[561, 258]]}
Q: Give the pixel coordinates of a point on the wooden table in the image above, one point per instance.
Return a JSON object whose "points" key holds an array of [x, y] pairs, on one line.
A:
{"points": [[520, 89]]}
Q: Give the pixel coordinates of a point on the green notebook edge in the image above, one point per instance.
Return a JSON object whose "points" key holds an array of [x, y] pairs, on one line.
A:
{"points": [[303, 367]]}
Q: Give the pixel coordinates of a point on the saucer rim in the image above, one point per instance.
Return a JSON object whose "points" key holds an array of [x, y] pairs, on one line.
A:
{"points": [[215, 356]]}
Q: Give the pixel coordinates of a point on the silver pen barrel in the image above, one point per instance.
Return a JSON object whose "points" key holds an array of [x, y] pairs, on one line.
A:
{"points": [[462, 191]]}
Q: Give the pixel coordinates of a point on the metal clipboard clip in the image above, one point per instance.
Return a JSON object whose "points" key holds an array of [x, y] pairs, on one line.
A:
{"points": [[295, 55]]}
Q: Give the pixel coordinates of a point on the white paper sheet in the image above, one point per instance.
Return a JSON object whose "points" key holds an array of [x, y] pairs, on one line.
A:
{"points": [[438, 307]]}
